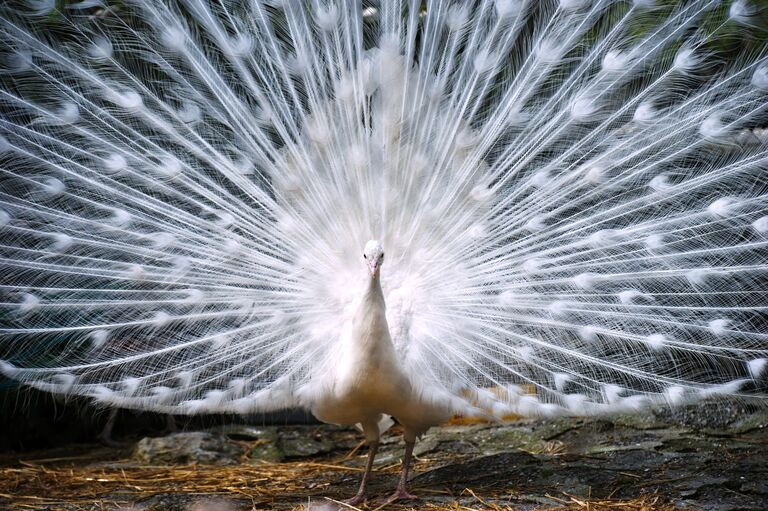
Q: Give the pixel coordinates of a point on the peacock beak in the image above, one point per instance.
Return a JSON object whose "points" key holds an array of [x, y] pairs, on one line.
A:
{"points": [[374, 267]]}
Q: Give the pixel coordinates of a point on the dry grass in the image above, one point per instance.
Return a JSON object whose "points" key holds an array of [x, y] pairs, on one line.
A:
{"points": [[73, 484], [37, 485]]}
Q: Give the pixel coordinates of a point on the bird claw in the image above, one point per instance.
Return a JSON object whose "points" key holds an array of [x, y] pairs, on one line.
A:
{"points": [[358, 499], [400, 494]]}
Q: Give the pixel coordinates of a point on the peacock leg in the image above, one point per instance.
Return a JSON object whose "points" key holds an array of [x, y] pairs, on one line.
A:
{"points": [[400, 492], [360, 497]]}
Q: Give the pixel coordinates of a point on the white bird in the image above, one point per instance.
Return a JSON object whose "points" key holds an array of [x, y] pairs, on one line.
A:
{"points": [[571, 193], [369, 383]]}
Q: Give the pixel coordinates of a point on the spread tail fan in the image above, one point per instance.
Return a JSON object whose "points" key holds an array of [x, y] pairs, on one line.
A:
{"points": [[573, 197]]}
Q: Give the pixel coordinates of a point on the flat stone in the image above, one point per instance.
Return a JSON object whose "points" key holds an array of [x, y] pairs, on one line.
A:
{"points": [[712, 417], [648, 445], [758, 487], [426, 445], [506, 439], [300, 445], [639, 421], [267, 447], [553, 428], [393, 451], [185, 448], [245, 432], [694, 486], [504, 465], [756, 421], [528, 436]]}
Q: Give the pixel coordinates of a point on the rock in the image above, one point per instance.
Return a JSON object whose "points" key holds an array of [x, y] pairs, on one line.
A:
{"points": [[553, 428], [510, 438], [393, 451], [639, 421], [510, 466], [750, 423], [530, 436], [757, 487], [184, 448], [647, 445], [267, 446], [427, 444], [713, 417], [245, 432], [303, 443], [693, 487]]}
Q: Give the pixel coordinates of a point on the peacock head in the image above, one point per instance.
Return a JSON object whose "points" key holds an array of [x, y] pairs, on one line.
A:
{"points": [[373, 253]]}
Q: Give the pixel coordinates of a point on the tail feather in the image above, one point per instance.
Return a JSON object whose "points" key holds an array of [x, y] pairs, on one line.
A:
{"points": [[572, 195]]}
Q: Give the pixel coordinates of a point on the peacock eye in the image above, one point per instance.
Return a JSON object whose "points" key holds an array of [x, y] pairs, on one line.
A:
{"points": [[365, 256]]}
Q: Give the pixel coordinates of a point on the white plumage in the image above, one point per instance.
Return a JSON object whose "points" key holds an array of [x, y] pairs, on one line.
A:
{"points": [[366, 383], [572, 197]]}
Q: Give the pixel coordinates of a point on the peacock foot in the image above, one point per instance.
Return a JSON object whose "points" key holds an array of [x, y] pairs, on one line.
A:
{"points": [[358, 499], [400, 494]]}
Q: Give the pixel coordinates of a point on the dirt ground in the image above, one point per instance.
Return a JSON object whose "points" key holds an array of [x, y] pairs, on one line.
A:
{"points": [[709, 457]]}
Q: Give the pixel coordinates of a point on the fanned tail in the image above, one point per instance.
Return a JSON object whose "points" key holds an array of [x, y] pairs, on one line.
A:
{"points": [[572, 196]]}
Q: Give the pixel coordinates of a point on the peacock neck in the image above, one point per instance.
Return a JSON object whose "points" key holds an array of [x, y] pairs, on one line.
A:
{"points": [[372, 345], [374, 292], [372, 307]]}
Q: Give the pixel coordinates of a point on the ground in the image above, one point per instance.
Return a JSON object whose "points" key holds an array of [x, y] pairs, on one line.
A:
{"points": [[711, 457]]}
